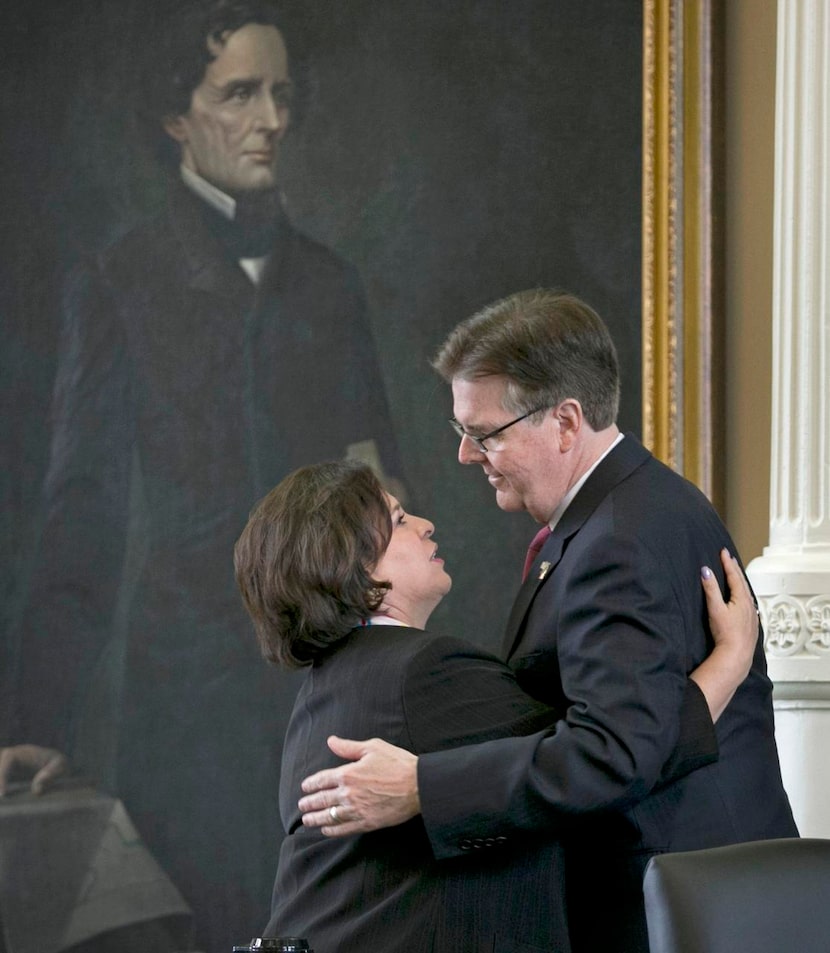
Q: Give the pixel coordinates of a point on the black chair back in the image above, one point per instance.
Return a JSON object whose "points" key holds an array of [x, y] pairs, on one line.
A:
{"points": [[769, 896]]}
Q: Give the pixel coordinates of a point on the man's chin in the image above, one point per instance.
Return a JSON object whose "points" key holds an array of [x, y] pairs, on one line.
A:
{"points": [[253, 181], [508, 501]]}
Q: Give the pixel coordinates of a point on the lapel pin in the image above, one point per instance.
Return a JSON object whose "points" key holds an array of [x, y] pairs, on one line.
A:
{"points": [[544, 569]]}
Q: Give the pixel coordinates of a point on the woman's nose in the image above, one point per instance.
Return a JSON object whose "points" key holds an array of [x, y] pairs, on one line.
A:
{"points": [[427, 528]]}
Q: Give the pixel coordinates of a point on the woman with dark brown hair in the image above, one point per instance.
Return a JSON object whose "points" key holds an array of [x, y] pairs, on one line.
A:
{"points": [[339, 579]]}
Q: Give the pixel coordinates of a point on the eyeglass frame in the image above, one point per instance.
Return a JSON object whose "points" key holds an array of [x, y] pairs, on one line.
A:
{"points": [[479, 441]]}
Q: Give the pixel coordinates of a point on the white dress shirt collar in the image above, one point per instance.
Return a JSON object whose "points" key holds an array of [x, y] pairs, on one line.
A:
{"points": [[208, 192], [571, 494], [226, 206]]}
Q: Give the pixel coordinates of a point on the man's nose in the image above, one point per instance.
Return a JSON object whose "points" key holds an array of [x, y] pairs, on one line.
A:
{"points": [[468, 452], [272, 113]]}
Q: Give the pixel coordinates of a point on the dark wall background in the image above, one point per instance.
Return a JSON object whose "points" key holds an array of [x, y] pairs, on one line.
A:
{"points": [[466, 151], [453, 152]]}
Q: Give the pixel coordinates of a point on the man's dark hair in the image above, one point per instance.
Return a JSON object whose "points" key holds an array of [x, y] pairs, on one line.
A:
{"points": [[179, 52], [304, 561], [549, 346]]}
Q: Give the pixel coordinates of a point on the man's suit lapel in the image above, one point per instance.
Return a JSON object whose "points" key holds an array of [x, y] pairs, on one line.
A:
{"points": [[543, 566], [626, 457], [212, 270]]}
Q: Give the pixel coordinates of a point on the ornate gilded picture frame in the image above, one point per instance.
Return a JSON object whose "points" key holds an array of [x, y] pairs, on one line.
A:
{"points": [[682, 242]]}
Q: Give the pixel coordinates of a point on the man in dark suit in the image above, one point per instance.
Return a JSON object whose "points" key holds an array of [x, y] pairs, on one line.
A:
{"points": [[606, 626], [205, 354]]}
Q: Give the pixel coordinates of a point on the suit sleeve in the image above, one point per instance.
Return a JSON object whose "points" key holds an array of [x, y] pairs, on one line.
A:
{"points": [[697, 743], [76, 572], [623, 669], [455, 694], [362, 407], [372, 399]]}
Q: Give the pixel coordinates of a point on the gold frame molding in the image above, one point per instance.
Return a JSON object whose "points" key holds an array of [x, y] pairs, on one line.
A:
{"points": [[683, 332]]}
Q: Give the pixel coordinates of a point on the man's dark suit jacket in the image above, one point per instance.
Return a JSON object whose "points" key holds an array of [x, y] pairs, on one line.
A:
{"points": [[183, 394], [385, 891], [607, 626]]}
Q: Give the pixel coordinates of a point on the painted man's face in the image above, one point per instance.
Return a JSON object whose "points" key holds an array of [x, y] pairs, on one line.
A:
{"points": [[238, 113]]}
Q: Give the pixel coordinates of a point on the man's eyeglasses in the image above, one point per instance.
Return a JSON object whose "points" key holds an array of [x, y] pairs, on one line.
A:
{"points": [[479, 441]]}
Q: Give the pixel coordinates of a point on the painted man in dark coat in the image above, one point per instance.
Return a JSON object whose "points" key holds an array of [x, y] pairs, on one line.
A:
{"points": [[204, 355]]}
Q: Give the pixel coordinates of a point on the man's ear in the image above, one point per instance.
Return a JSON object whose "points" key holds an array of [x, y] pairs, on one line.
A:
{"points": [[571, 420], [175, 127]]}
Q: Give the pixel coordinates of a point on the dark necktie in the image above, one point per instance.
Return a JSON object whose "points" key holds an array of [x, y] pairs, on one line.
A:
{"points": [[533, 549], [255, 229]]}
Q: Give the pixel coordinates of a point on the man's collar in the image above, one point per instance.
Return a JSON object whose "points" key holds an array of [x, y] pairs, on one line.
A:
{"points": [[249, 226], [569, 496], [214, 197]]}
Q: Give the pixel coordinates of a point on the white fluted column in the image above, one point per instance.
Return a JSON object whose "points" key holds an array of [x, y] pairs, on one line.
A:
{"points": [[792, 577]]}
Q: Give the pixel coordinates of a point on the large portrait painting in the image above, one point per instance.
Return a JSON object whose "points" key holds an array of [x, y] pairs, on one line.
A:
{"points": [[437, 157]]}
